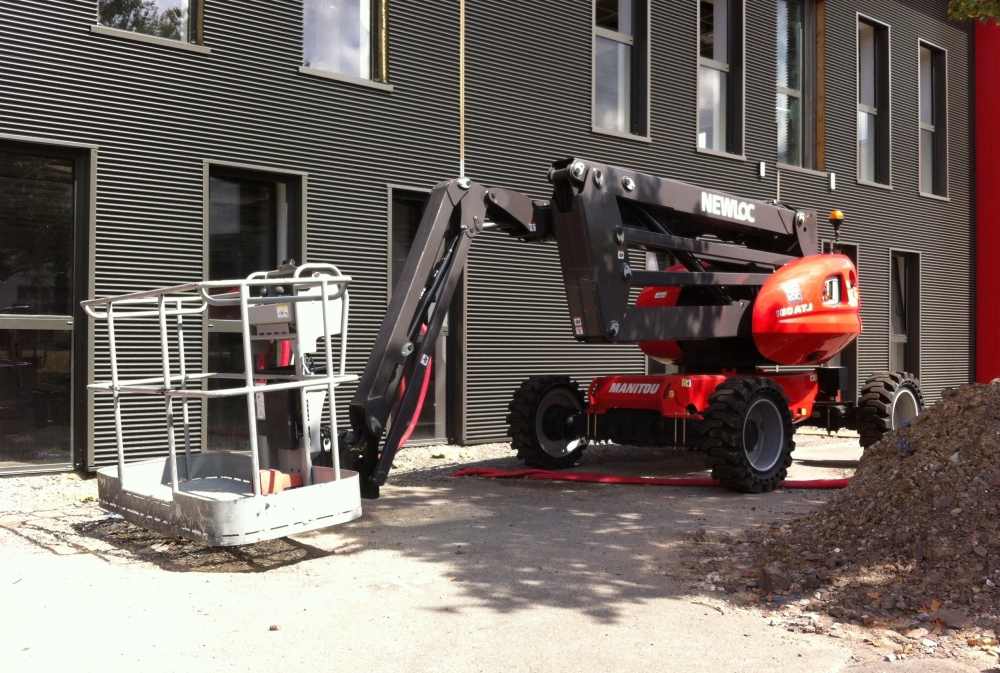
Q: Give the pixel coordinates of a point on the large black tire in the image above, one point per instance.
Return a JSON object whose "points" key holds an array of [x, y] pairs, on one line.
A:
{"points": [[888, 401], [747, 434], [537, 426]]}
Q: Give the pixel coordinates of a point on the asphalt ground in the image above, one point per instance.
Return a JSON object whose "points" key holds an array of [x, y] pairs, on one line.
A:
{"points": [[440, 574]]}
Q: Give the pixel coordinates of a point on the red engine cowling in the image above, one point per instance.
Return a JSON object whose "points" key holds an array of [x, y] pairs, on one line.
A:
{"points": [[808, 311]]}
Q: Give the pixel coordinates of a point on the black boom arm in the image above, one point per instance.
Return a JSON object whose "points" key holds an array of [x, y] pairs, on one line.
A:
{"points": [[726, 246]]}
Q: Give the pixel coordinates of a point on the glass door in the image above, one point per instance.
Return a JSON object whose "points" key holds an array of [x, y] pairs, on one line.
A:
{"points": [[253, 225], [37, 226], [432, 425]]}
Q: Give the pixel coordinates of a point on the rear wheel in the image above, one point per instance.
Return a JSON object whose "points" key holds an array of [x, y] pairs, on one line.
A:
{"points": [[888, 402], [544, 413], [747, 434]]}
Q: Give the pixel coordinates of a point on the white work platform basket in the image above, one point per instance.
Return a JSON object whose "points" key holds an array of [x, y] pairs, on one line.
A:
{"points": [[239, 497]]}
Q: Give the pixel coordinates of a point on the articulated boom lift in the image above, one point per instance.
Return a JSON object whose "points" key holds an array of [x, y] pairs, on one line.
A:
{"points": [[736, 290]]}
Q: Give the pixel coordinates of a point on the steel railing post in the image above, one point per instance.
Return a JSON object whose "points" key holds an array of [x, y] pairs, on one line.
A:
{"points": [[116, 394], [328, 349], [184, 400], [248, 369], [168, 400]]}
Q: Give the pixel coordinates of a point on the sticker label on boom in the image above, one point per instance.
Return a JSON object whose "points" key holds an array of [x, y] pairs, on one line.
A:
{"points": [[283, 311]]}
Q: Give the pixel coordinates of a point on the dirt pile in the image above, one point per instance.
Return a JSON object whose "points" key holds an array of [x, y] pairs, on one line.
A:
{"points": [[914, 541]]}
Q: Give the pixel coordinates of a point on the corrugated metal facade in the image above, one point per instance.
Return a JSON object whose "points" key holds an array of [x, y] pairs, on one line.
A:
{"points": [[158, 114], [529, 102]]}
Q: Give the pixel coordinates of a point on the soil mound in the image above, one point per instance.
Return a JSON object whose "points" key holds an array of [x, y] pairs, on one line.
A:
{"points": [[914, 541]]}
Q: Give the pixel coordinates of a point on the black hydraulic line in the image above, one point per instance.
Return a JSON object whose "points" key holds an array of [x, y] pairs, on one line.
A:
{"points": [[444, 284], [690, 262], [431, 292], [725, 252], [683, 279]]}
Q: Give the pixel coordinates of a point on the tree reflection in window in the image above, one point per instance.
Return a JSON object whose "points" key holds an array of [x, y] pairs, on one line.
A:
{"points": [[170, 19], [36, 234]]}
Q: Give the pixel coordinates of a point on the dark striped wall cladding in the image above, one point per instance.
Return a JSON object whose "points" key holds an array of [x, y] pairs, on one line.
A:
{"points": [[158, 113], [529, 102]]}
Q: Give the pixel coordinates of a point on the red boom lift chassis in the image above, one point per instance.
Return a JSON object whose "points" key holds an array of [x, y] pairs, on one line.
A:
{"points": [[738, 301]]}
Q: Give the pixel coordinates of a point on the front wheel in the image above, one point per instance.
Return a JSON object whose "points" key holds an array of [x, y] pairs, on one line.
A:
{"points": [[543, 420], [888, 401], [747, 434]]}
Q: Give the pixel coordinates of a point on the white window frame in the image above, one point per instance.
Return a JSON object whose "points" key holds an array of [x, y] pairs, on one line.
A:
{"points": [[947, 145], [624, 39], [864, 18], [724, 67]]}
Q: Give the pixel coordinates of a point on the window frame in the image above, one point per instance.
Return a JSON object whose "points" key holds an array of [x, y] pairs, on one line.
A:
{"points": [[642, 78], [196, 22], [811, 95], [941, 140], [914, 301], [738, 153], [456, 380], [379, 52], [883, 96], [82, 358]]}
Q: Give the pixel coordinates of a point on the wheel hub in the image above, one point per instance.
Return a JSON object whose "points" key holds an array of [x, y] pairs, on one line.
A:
{"points": [[554, 420], [763, 434], [904, 408]]}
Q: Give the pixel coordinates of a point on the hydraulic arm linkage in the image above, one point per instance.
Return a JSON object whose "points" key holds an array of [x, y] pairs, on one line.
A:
{"points": [[724, 247]]}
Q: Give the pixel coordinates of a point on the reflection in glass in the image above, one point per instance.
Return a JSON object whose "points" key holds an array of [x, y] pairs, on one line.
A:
{"points": [[242, 227], [36, 234], [613, 85], [790, 22], [615, 15], [337, 36], [227, 416], [407, 209], [927, 161], [714, 30], [34, 397], [866, 64], [791, 17], [927, 121], [789, 112], [866, 146], [170, 19], [926, 86], [711, 108]]}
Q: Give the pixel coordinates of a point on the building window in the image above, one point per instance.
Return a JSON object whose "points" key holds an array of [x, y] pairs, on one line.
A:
{"points": [[348, 37], [904, 313], [170, 19], [798, 83], [720, 75], [254, 224], [407, 209], [873, 102], [933, 120], [620, 66]]}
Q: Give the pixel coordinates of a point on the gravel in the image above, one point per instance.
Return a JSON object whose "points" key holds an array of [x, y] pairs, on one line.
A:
{"points": [[909, 553]]}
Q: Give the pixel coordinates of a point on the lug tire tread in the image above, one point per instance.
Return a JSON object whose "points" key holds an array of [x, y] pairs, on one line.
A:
{"points": [[521, 422], [721, 435], [875, 403]]}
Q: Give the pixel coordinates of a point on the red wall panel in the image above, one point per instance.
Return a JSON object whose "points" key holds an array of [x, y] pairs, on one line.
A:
{"points": [[987, 202]]}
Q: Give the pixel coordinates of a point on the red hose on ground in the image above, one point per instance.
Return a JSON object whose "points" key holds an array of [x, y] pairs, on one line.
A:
{"points": [[593, 477]]}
